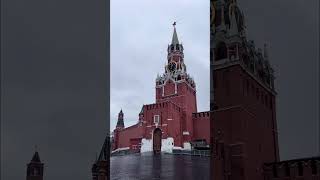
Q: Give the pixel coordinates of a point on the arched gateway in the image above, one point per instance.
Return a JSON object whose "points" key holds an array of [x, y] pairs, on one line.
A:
{"points": [[157, 136]]}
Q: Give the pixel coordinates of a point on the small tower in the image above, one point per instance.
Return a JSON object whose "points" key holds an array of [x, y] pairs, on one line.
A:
{"points": [[120, 123], [35, 168], [177, 86], [141, 116], [100, 169]]}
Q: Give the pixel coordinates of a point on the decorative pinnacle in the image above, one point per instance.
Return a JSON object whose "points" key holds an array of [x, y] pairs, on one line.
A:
{"points": [[175, 36], [174, 23]]}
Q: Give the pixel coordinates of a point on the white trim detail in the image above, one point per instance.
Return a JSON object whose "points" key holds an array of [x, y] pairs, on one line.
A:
{"points": [[166, 145], [186, 146], [175, 88], [121, 149], [156, 119], [185, 133], [170, 119]]}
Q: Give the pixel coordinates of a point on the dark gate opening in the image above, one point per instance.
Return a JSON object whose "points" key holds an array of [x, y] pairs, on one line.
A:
{"points": [[157, 136]]}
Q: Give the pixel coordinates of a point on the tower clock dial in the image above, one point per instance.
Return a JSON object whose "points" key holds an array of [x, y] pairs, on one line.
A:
{"points": [[172, 67]]}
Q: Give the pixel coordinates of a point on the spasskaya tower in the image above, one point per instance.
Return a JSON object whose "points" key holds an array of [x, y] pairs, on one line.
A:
{"points": [[176, 85]]}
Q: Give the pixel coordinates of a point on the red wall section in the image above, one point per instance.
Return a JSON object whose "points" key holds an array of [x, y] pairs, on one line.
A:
{"points": [[171, 121], [126, 134], [201, 124]]}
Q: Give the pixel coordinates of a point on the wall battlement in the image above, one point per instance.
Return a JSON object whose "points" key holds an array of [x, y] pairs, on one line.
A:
{"points": [[307, 168], [201, 114]]}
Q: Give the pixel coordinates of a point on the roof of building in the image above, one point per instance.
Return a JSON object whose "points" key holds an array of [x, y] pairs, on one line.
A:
{"points": [[175, 37], [103, 156], [36, 157]]}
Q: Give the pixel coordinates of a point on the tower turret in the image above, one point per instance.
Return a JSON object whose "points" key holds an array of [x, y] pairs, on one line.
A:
{"points": [[141, 115], [100, 169], [175, 50], [230, 44], [175, 69], [35, 168], [120, 123]]}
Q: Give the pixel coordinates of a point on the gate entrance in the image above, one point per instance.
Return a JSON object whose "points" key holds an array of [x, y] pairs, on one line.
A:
{"points": [[157, 137]]}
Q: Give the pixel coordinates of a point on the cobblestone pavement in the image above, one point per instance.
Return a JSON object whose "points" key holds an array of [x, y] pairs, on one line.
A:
{"points": [[164, 167]]}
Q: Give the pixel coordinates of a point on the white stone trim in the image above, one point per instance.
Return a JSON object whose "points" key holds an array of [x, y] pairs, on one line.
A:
{"points": [[120, 149], [156, 119], [185, 133]]}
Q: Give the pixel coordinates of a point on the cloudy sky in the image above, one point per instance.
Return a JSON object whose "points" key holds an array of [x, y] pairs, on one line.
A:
{"points": [[140, 33], [54, 72]]}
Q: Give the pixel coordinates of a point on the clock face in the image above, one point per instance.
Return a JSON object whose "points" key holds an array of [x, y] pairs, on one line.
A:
{"points": [[172, 67]]}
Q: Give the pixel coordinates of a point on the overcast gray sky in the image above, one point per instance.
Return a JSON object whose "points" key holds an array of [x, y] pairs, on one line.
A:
{"points": [[140, 34], [54, 72]]}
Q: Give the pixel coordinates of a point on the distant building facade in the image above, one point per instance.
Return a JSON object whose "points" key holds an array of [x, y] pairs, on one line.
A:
{"points": [[101, 168], [244, 132], [172, 121]]}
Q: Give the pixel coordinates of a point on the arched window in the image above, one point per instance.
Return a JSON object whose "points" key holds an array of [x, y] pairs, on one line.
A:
{"points": [[221, 51]]}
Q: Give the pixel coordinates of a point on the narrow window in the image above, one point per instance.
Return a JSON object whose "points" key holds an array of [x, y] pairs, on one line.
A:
{"points": [[287, 170], [274, 170], [313, 167], [156, 119], [221, 51], [300, 169]]}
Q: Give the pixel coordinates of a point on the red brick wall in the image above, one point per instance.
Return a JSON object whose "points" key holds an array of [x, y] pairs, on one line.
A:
{"points": [[201, 124], [240, 135], [126, 134], [234, 87], [306, 169], [185, 98], [171, 121]]}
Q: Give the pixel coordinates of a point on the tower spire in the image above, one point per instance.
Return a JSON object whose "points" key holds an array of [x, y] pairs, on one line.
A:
{"points": [[233, 24], [120, 123], [175, 36], [36, 157]]}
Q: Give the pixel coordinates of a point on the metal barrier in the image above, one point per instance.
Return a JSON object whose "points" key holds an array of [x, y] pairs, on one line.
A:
{"points": [[193, 152]]}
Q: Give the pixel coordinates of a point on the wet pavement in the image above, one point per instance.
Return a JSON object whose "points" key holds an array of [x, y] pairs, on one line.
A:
{"points": [[164, 167]]}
